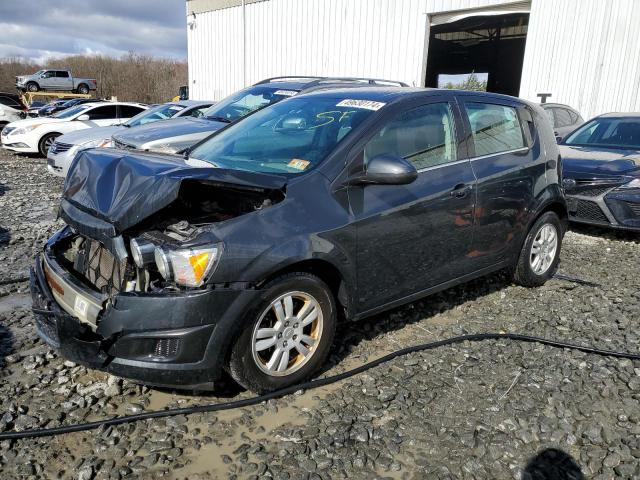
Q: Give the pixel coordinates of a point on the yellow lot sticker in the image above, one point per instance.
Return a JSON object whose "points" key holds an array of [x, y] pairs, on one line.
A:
{"points": [[298, 164]]}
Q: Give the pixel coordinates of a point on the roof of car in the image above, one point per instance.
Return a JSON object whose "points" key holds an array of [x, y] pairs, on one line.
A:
{"points": [[102, 102], [388, 94], [305, 82], [551, 104], [620, 115], [191, 103]]}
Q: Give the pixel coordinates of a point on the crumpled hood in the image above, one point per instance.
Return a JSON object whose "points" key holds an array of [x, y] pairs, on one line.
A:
{"points": [[172, 128], [86, 135], [108, 191], [599, 162]]}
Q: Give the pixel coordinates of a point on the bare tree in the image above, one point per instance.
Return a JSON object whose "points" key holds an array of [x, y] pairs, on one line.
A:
{"points": [[132, 77]]}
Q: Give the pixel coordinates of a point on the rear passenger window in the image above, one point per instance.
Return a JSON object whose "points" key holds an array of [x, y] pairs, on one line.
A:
{"points": [[495, 128], [60, 74], [128, 111], [425, 136], [563, 117], [103, 113]]}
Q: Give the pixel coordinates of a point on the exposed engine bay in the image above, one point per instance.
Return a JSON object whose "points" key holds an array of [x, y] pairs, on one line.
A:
{"points": [[171, 249]]}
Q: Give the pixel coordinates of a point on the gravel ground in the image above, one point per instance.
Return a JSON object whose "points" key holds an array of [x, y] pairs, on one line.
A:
{"points": [[481, 410]]}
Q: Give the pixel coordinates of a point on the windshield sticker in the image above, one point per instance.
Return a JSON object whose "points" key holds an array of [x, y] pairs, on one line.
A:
{"points": [[366, 104], [286, 93], [298, 164], [175, 108]]}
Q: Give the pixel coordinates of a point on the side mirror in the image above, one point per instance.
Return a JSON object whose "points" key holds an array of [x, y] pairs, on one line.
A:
{"points": [[386, 170], [83, 118]]}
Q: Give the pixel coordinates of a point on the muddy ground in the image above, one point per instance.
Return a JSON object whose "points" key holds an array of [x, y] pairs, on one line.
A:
{"points": [[495, 409]]}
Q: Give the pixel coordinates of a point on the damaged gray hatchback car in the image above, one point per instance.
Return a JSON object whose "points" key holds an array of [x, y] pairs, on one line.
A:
{"points": [[244, 255]]}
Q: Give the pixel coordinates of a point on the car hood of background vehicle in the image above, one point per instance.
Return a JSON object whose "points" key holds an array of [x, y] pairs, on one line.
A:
{"points": [[171, 128], [27, 122], [89, 135], [599, 161], [113, 190]]}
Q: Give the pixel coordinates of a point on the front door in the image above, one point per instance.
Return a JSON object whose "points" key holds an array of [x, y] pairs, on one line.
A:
{"points": [[412, 237]]}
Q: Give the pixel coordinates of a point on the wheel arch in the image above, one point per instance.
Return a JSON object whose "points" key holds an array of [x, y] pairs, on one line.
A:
{"points": [[327, 272]]}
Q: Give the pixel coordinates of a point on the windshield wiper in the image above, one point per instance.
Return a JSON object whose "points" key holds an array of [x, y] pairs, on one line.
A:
{"points": [[219, 119]]}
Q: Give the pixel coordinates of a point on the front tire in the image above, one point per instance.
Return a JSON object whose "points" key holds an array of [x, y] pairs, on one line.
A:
{"points": [[540, 254], [287, 336], [33, 87], [46, 142]]}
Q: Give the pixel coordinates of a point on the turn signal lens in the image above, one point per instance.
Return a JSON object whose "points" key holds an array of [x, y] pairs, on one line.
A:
{"points": [[188, 267]]}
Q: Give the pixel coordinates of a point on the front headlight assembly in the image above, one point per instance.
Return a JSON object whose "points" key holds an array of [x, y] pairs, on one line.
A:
{"points": [[635, 183], [189, 267], [23, 130], [185, 266]]}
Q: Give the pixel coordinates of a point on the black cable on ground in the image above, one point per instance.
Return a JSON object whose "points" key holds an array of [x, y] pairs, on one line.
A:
{"points": [[579, 281], [216, 407]]}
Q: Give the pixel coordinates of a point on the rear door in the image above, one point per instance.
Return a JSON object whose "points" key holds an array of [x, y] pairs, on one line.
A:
{"points": [[125, 112], [509, 166], [412, 237], [63, 80], [103, 116]]}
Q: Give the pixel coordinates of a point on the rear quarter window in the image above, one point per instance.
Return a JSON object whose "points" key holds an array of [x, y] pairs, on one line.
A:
{"points": [[494, 128]]}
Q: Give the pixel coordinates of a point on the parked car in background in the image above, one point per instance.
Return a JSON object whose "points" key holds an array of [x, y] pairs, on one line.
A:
{"points": [[63, 104], [34, 108], [563, 118], [11, 108], [65, 148], [241, 256], [36, 135], [55, 80], [601, 169], [176, 135]]}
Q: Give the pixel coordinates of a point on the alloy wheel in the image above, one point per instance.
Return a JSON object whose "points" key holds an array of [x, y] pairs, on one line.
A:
{"points": [[543, 249], [287, 334]]}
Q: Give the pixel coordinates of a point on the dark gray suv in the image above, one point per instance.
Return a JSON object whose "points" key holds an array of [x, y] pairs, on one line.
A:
{"points": [[324, 207]]}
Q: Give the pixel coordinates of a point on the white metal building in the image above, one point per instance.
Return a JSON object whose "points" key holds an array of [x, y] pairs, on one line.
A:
{"points": [[585, 53]]}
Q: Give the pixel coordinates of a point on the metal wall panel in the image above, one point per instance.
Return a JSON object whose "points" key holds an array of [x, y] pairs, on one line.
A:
{"points": [[371, 38], [586, 53]]}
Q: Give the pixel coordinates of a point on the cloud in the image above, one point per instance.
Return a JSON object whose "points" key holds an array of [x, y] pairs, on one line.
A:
{"points": [[53, 28]]}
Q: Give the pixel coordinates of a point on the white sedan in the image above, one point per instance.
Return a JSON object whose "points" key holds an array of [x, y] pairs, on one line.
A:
{"points": [[36, 135]]}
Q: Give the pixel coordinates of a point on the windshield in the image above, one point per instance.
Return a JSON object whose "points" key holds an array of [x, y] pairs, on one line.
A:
{"points": [[622, 132], [70, 112], [246, 101], [290, 137], [161, 112]]}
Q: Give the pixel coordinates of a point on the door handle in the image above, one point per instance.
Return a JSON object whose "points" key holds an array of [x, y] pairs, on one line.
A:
{"points": [[460, 190]]}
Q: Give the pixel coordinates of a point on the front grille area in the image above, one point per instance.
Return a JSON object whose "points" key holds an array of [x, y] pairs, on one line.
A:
{"points": [[592, 191], [635, 208], [122, 145], [590, 211], [58, 147], [167, 347], [100, 267]]}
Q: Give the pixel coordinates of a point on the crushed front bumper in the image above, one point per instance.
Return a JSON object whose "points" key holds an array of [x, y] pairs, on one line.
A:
{"points": [[172, 340]]}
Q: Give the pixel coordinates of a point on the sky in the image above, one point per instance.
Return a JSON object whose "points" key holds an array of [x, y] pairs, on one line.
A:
{"points": [[40, 29]]}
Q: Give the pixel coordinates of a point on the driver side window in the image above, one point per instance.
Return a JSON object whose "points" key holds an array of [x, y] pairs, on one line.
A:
{"points": [[425, 136]]}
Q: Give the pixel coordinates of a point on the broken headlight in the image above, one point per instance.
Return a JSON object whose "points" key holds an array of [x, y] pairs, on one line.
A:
{"points": [[189, 266]]}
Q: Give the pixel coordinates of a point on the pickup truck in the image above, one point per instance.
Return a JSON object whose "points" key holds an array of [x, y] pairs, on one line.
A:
{"points": [[55, 80]]}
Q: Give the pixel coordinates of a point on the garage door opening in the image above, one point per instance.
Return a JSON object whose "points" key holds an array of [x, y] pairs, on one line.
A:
{"points": [[477, 52]]}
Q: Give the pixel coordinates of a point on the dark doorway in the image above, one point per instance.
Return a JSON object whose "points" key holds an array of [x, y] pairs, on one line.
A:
{"points": [[490, 47]]}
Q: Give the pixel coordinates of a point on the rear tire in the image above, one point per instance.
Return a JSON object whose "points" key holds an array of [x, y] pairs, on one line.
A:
{"points": [[33, 87], [46, 142], [286, 336], [540, 254], [83, 89]]}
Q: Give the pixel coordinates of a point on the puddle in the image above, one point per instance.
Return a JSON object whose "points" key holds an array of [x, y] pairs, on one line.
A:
{"points": [[14, 302]]}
